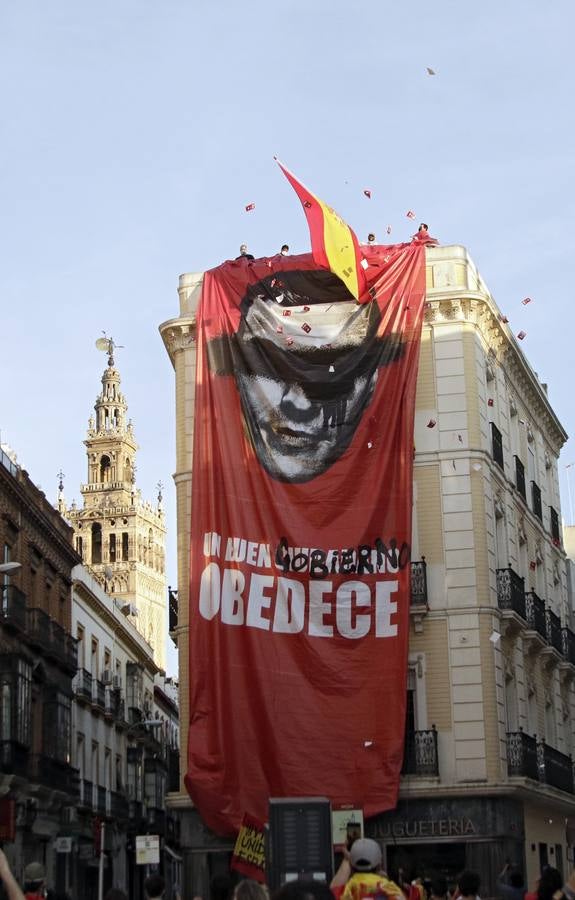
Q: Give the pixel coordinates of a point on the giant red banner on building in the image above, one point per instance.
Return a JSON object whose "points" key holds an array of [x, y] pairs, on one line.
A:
{"points": [[301, 530]]}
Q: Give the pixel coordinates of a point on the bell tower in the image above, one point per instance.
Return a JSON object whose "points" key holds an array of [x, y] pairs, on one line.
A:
{"points": [[121, 537]]}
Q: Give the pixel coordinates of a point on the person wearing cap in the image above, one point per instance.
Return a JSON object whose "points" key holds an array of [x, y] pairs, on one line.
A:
{"points": [[366, 875], [305, 359], [34, 881], [11, 886]]}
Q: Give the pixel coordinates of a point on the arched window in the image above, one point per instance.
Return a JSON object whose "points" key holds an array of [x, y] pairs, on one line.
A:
{"points": [[105, 468], [96, 543]]}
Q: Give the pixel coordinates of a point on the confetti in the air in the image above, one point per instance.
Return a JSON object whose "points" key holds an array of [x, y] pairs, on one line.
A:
{"points": [[459, 438], [532, 566], [286, 313], [307, 204], [432, 423], [364, 264], [250, 206], [332, 368], [410, 214], [490, 402], [388, 229], [476, 467], [306, 327], [494, 637], [369, 445], [431, 71], [279, 329], [521, 335], [504, 319], [306, 309], [367, 193], [289, 342], [368, 743], [526, 301]]}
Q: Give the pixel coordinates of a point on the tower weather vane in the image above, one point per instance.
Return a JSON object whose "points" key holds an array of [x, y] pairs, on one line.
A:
{"points": [[108, 345]]}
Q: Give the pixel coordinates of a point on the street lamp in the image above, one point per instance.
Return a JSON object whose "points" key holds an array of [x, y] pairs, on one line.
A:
{"points": [[8, 568]]}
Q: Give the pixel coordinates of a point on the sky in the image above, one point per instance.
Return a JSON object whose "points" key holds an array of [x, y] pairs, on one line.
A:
{"points": [[133, 134]]}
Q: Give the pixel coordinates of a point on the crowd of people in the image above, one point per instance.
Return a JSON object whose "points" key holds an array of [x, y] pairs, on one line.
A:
{"points": [[360, 876]]}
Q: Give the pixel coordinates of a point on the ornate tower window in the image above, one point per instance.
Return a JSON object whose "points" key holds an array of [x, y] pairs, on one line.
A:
{"points": [[96, 543]]}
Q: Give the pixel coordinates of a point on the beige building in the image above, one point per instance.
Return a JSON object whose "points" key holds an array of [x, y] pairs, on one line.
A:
{"points": [[119, 536], [490, 728]]}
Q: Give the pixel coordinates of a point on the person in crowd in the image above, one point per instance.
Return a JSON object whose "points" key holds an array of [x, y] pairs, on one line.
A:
{"points": [[550, 883], [468, 886], [11, 886], [510, 883], [248, 889], [35, 881], [284, 250], [154, 886], [244, 252], [438, 889], [360, 875]]}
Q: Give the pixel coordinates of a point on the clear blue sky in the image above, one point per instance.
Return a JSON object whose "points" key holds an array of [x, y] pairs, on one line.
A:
{"points": [[135, 132]]}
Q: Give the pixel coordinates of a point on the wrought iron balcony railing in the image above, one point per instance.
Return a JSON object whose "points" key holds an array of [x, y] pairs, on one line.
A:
{"points": [[13, 611], [554, 636], [535, 609], [511, 591], [534, 759], [83, 684], [98, 693], [420, 754], [568, 645]]}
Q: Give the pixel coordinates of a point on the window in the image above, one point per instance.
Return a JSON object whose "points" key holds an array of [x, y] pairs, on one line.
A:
{"points": [[125, 546], [520, 478], [57, 730], [497, 445], [107, 658], [105, 468], [80, 546], [536, 501], [134, 686], [80, 635], [94, 657], [80, 759], [554, 523], [112, 548], [15, 699], [96, 543]]}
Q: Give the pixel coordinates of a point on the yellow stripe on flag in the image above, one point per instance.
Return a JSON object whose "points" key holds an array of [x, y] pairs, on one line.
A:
{"points": [[339, 248]]}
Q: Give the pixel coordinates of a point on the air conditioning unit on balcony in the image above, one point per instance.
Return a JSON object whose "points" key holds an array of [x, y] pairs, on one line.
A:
{"points": [[70, 815], [117, 682], [107, 676]]}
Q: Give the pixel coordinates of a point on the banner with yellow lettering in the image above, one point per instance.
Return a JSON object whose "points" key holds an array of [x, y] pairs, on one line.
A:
{"points": [[249, 852]]}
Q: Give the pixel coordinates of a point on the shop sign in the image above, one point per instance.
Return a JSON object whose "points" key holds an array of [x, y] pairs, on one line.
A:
{"points": [[147, 849], [425, 828]]}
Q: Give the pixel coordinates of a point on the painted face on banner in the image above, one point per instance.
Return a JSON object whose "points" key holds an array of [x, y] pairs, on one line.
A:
{"points": [[305, 362]]}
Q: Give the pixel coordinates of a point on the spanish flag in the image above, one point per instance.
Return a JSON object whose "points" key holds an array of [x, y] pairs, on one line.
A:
{"points": [[334, 245]]}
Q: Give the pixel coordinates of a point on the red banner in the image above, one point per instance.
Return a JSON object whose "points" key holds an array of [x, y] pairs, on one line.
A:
{"points": [[249, 856], [301, 532]]}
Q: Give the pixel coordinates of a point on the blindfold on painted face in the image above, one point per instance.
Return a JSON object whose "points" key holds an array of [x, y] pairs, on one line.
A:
{"points": [[305, 360]]}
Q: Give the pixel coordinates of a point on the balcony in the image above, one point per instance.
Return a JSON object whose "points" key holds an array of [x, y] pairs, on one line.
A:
{"points": [[553, 626], [420, 754], [528, 758], [56, 775], [38, 631], [535, 610], [119, 806], [14, 759], [511, 592], [554, 526], [100, 798], [57, 643], [522, 755], [98, 694], [13, 607], [82, 685], [556, 768], [113, 701], [568, 645]]}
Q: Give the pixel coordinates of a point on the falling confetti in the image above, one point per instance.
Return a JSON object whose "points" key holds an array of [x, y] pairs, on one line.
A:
{"points": [[476, 467], [369, 445], [367, 193], [526, 301], [410, 214], [490, 402], [332, 368], [307, 204], [286, 313], [388, 229], [494, 637], [306, 327], [504, 319], [431, 71], [289, 342], [368, 743], [279, 298], [459, 438], [432, 423], [306, 309], [364, 264], [279, 329], [532, 566], [250, 206], [521, 335]]}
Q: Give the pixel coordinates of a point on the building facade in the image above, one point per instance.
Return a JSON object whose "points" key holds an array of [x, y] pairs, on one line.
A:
{"points": [[118, 535], [122, 748], [38, 660], [487, 772]]}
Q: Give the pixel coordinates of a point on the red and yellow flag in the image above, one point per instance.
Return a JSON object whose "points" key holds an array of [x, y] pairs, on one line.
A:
{"points": [[334, 245]]}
